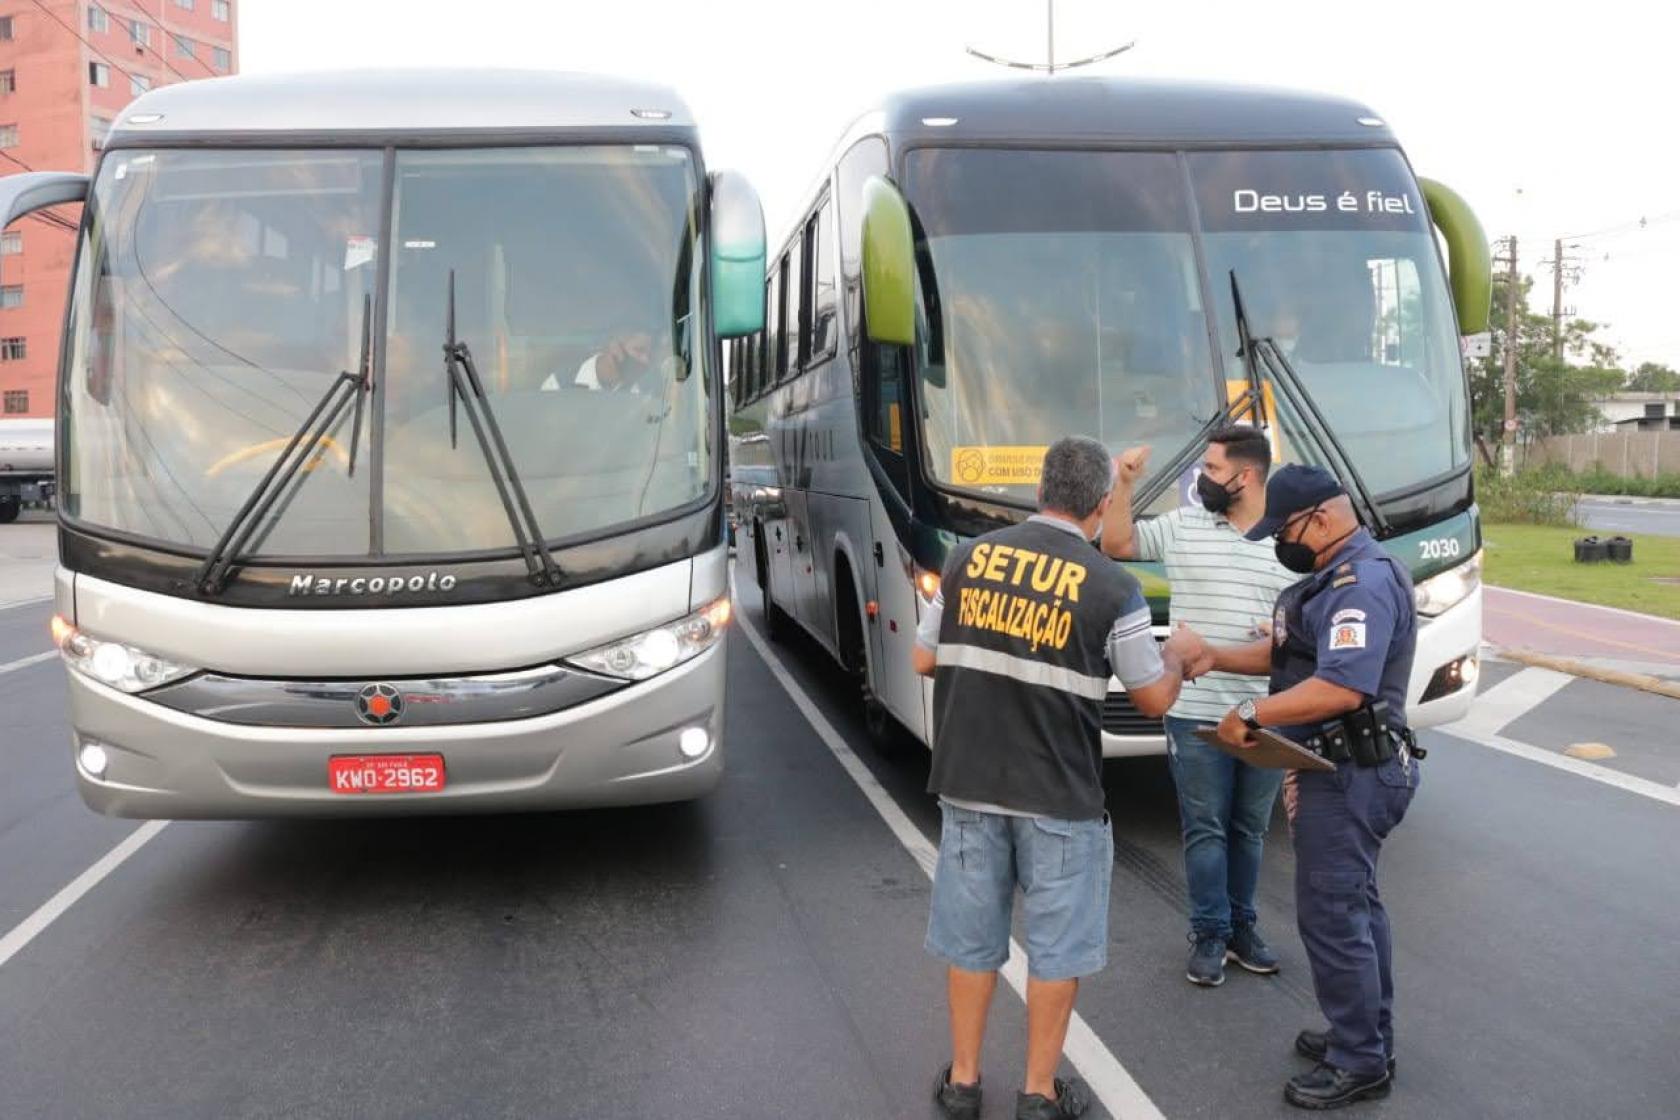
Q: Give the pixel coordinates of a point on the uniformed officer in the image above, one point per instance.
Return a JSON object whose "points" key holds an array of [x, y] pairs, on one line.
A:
{"points": [[1340, 656]]}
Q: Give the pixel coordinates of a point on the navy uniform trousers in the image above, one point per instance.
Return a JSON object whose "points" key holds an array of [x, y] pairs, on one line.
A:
{"points": [[1338, 821]]}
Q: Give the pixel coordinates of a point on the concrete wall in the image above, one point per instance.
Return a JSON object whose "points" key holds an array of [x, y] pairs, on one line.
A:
{"points": [[1630, 454]]}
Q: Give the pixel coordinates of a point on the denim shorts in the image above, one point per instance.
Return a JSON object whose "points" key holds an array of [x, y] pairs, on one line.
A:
{"points": [[1063, 870]]}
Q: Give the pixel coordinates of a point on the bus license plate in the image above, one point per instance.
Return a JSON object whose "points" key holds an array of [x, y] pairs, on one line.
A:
{"points": [[385, 773]]}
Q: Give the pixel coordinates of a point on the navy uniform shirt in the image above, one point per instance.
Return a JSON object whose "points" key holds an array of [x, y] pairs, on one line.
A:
{"points": [[1352, 623]]}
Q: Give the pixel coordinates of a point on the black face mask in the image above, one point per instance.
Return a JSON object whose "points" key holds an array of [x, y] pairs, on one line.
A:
{"points": [[1214, 497], [1300, 558]]}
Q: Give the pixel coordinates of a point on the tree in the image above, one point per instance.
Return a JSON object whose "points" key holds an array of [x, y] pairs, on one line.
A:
{"points": [[1553, 396], [1653, 377]]}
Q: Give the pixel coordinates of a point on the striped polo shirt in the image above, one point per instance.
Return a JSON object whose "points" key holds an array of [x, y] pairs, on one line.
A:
{"points": [[1222, 585]]}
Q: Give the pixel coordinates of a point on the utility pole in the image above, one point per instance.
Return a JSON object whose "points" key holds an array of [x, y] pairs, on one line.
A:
{"points": [[1048, 66], [1557, 300], [1508, 436], [1563, 269]]}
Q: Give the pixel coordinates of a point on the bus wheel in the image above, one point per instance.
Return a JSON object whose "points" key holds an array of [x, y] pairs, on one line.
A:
{"points": [[879, 723], [9, 509], [775, 621], [883, 730]]}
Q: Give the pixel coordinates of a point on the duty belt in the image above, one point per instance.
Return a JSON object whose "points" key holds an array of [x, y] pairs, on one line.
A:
{"points": [[1364, 737]]}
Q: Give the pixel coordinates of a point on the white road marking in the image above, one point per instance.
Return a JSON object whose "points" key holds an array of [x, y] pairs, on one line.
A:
{"points": [[1118, 1091], [1513, 698], [49, 911], [1517, 694], [26, 662]]}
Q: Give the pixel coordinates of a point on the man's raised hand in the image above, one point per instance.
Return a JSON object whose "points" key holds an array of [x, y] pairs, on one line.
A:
{"points": [[1129, 465]]}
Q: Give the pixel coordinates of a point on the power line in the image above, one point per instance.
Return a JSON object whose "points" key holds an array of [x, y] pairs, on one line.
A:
{"points": [[1633, 226], [54, 16], [163, 48], [45, 217]]}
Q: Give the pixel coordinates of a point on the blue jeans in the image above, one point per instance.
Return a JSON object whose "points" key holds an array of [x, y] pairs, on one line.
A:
{"points": [[1062, 870], [1224, 807]]}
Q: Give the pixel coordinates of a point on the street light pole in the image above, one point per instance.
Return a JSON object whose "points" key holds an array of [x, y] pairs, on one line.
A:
{"points": [[1049, 66], [1050, 36]]}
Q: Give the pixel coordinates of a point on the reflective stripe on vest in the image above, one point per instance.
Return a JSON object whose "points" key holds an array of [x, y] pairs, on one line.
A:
{"points": [[1023, 670]]}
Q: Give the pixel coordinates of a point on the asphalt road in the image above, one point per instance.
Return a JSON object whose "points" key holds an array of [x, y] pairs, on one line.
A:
{"points": [[758, 953], [1621, 515]]}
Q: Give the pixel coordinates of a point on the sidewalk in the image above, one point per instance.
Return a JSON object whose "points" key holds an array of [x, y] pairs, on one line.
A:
{"points": [[1630, 500], [1613, 643]]}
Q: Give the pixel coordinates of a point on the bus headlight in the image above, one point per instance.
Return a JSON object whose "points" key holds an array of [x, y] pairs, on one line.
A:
{"points": [[123, 667], [643, 655], [1440, 593]]}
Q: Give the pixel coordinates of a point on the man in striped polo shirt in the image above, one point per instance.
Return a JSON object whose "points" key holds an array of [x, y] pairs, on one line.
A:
{"points": [[1222, 584]]}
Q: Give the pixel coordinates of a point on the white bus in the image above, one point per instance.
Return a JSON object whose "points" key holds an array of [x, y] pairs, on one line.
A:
{"points": [[981, 269], [391, 451]]}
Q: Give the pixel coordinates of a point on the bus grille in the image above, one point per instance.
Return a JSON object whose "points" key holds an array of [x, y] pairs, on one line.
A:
{"points": [[1120, 717]]}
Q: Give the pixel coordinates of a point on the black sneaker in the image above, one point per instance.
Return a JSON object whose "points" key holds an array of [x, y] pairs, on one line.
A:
{"points": [[1207, 960], [1248, 950], [1316, 1044], [1073, 1097], [959, 1102], [1328, 1086]]}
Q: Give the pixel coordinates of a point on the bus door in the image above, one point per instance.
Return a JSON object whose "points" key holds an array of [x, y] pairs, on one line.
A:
{"points": [[894, 632]]}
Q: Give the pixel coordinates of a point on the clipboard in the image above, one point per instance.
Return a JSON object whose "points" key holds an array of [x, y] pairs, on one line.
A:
{"points": [[1270, 752]]}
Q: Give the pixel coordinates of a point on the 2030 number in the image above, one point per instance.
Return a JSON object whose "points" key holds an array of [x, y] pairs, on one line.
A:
{"points": [[1441, 548]]}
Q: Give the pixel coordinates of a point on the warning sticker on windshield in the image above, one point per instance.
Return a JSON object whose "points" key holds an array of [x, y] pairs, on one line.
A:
{"points": [[997, 466], [359, 251]]}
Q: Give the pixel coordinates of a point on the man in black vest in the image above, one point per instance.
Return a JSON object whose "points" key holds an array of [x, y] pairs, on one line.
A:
{"points": [[1038, 621]]}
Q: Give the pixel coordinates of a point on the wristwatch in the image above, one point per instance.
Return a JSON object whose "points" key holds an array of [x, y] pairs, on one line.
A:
{"points": [[1246, 713]]}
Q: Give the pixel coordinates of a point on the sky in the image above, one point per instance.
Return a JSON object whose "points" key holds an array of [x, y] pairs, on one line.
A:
{"points": [[1552, 123]]}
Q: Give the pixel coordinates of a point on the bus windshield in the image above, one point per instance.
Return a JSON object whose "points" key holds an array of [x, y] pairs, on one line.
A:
{"points": [[1068, 300], [1338, 264], [219, 291], [1061, 293]]}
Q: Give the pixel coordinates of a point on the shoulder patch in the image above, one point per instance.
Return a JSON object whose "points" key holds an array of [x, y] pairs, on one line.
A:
{"points": [[1350, 614], [1346, 566], [1348, 635], [1343, 581]]}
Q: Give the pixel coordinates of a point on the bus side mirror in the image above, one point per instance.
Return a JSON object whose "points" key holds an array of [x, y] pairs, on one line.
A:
{"points": [[737, 252], [36, 190], [889, 265], [1469, 263]]}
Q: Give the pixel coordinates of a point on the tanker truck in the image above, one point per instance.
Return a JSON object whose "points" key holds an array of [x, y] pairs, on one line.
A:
{"points": [[26, 465]]}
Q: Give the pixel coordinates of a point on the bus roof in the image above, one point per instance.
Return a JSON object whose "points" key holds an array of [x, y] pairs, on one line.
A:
{"points": [[374, 101], [1126, 110]]}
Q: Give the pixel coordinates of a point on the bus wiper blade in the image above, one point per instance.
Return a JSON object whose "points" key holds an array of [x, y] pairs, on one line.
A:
{"points": [[1252, 402], [1172, 468], [1256, 352], [1245, 351], [1284, 376], [465, 387], [346, 389]]}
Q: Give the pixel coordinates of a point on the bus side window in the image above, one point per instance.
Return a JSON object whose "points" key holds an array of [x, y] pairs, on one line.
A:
{"points": [[776, 325], [819, 256], [793, 313], [885, 403]]}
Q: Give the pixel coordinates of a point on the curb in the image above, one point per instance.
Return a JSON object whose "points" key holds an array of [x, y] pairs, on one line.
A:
{"points": [[1640, 681]]}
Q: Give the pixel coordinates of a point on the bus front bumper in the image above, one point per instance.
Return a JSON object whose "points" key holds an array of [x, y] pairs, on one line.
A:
{"points": [[620, 749]]}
